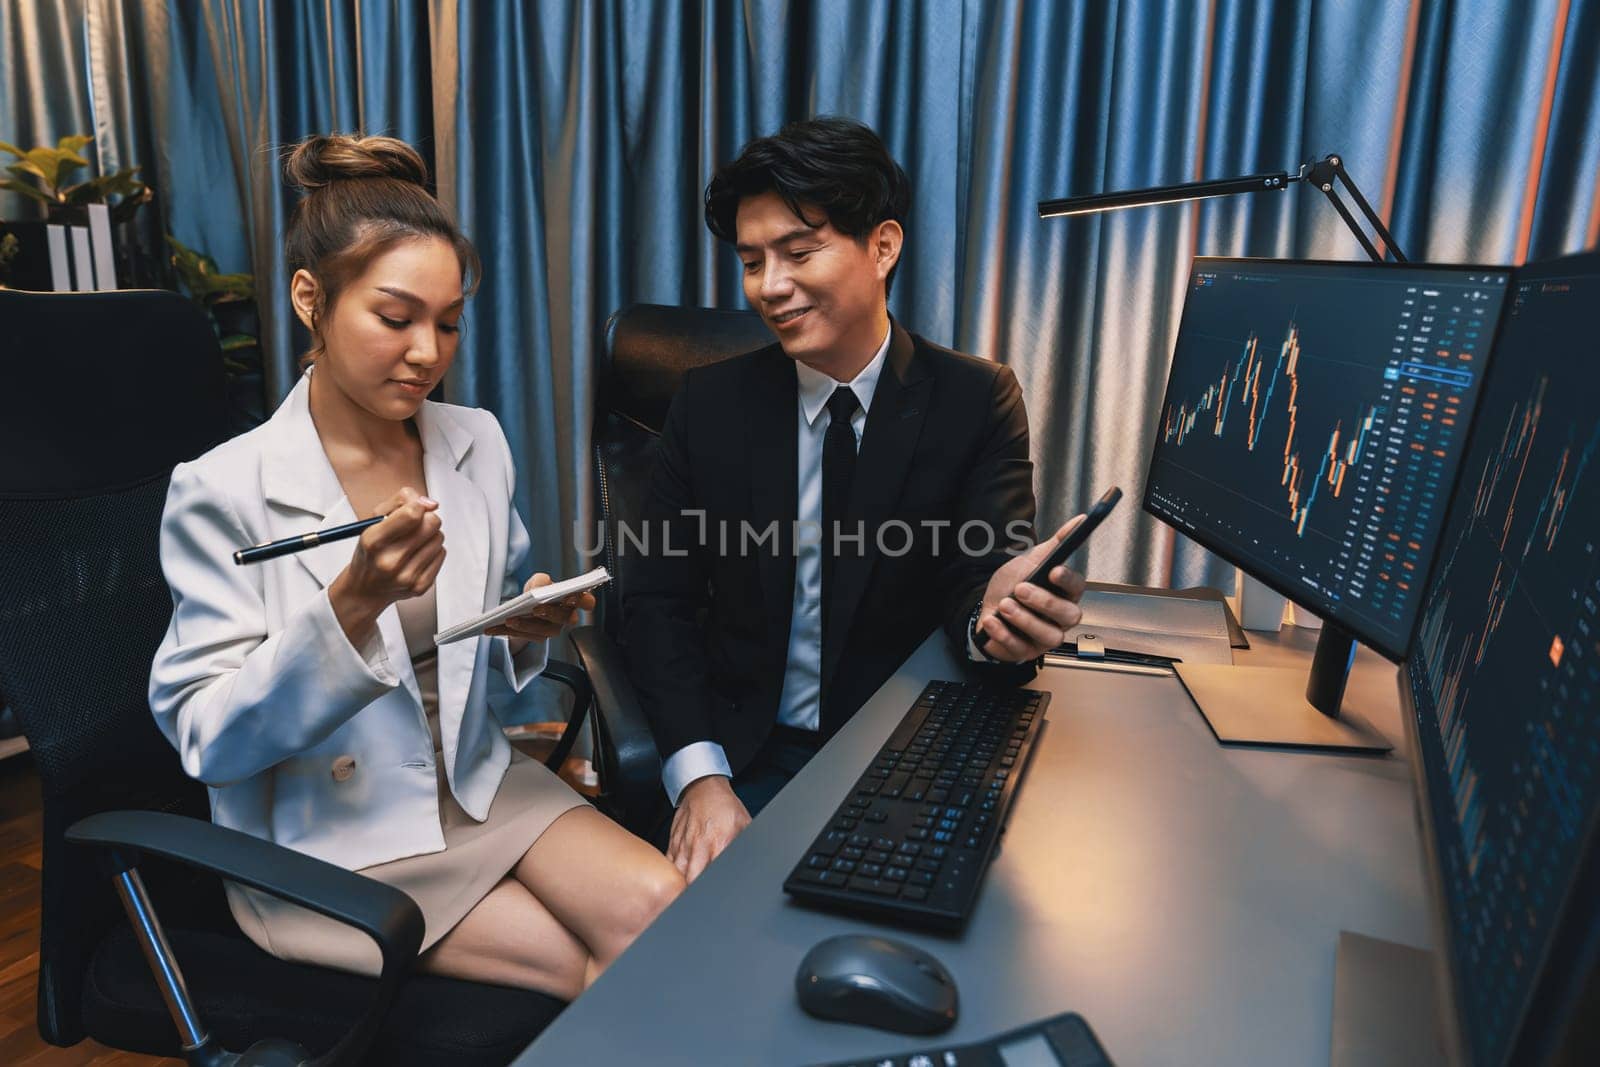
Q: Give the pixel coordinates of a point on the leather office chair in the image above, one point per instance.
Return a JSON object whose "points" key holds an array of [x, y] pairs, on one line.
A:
{"points": [[646, 350], [105, 393]]}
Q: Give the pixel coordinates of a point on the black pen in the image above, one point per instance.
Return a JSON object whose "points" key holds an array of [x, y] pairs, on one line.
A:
{"points": [[274, 549]]}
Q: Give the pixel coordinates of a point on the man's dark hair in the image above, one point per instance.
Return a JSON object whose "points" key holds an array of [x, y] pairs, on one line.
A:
{"points": [[834, 164]]}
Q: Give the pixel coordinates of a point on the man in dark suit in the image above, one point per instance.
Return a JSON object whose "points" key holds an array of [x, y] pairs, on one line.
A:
{"points": [[823, 503]]}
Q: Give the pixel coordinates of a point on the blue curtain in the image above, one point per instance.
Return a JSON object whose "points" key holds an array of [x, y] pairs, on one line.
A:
{"points": [[575, 139]]}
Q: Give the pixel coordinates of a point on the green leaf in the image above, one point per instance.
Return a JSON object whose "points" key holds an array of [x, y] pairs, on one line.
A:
{"points": [[101, 190], [25, 188], [6, 146], [26, 166], [123, 211], [234, 342], [54, 164], [74, 142]]}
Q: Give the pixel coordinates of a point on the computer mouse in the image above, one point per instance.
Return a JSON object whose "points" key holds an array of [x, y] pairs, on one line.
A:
{"points": [[859, 978]]}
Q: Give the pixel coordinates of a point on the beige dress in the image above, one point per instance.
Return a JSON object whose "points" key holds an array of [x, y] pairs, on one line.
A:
{"points": [[446, 885]]}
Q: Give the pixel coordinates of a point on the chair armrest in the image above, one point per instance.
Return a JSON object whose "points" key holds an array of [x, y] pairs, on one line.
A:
{"points": [[381, 911], [577, 680], [633, 764]]}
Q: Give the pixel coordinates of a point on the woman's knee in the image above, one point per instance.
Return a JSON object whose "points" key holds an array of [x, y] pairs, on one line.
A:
{"points": [[648, 893]]}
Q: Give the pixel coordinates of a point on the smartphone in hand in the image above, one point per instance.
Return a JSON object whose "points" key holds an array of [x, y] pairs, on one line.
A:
{"points": [[1069, 544]]}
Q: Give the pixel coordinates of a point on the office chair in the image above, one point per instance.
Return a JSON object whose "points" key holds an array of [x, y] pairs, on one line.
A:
{"points": [[106, 393], [647, 349]]}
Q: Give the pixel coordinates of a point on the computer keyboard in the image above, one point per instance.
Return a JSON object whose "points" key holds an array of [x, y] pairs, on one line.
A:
{"points": [[914, 836]]}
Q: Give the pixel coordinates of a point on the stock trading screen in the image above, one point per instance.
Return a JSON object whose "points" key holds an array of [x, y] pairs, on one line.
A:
{"points": [[1314, 418], [1506, 668]]}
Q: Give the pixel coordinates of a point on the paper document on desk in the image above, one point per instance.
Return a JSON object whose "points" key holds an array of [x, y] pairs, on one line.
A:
{"points": [[1195, 631]]}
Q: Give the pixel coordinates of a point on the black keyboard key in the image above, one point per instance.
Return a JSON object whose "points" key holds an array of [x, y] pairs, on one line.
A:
{"points": [[818, 861], [877, 856], [875, 886], [829, 842], [915, 892]]}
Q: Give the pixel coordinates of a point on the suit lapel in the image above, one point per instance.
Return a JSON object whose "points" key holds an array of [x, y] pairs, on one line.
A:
{"points": [[462, 587], [303, 493], [888, 443], [770, 418]]}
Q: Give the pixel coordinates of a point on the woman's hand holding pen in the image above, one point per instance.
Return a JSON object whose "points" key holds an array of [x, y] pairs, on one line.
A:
{"points": [[543, 622], [396, 559]]}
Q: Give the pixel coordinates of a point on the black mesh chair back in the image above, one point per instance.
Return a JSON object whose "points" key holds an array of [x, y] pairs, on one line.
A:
{"points": [[107, 392], [648, 348]]}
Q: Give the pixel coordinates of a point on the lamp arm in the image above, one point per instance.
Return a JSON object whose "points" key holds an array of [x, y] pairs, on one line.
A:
{"points": [[1322, 173]]}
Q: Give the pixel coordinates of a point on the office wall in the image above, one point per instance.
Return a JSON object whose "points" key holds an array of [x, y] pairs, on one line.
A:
{"points": [[575, 140]]}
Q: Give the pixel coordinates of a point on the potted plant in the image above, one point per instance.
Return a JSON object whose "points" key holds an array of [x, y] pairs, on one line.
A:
{"points": [[41, 174], [229, 300], [44, 175]]}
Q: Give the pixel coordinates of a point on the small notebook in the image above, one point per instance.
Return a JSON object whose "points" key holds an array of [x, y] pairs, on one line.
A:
{"points": [[521, 605]]}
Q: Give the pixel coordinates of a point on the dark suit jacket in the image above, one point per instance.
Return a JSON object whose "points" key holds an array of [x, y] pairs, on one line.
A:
{"points": [[706, 629]]}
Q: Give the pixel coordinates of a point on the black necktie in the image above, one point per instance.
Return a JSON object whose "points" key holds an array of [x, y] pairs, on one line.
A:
{"points": [[838, 471]]}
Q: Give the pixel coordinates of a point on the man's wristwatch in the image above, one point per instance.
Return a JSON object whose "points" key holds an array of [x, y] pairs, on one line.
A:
{"points": [[972, 635]]}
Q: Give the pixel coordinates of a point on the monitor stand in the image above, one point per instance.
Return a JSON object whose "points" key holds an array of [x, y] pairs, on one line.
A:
{"points": [[1278, 707], [1385, 1005]]}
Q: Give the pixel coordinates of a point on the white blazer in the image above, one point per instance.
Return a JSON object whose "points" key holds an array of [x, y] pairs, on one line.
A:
{"points": [[304, 739]]}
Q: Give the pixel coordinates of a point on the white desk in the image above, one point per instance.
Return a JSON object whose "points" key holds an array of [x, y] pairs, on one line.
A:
{"points": [[1185, 898]]}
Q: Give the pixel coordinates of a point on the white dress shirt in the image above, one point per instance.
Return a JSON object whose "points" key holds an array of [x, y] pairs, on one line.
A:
{"points": [[799, 705]]}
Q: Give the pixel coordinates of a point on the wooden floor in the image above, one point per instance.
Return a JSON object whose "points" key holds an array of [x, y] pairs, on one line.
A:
{"points": [[20, 829]]}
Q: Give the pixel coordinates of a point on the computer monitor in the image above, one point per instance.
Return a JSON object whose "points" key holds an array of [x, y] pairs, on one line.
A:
{"points": [[1311, 433], [1501, 691]]}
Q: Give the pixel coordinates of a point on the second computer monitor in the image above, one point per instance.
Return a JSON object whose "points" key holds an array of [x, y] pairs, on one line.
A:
{"points": [[1314, 422]]}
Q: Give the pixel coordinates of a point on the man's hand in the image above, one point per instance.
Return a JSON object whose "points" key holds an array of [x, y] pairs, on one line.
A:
{"points": [[1035, 619], [709, 817]]}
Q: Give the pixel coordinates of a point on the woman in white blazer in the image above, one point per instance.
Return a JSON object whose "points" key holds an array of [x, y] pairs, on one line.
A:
{"points": [[306, 691]]}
